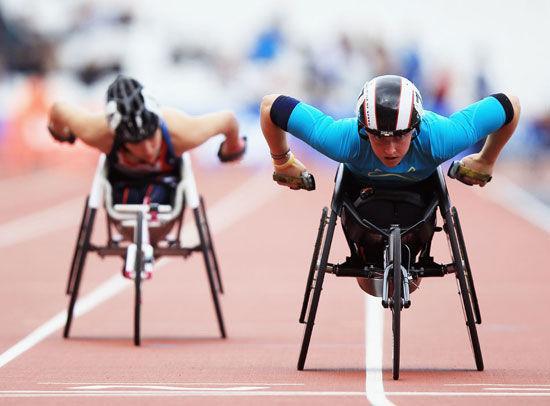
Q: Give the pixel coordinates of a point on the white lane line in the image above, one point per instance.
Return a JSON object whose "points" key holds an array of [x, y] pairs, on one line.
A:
{"points": [[31, 393], [173, 383], [249, 196], [165, 388], [374, 338], [108, 289], [203, 393], [530, 388], [41, 223], [468, 394], [517, 200], [498, 384]]}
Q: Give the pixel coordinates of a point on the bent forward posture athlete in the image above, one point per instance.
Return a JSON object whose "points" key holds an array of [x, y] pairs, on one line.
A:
{"points": [[392, 143], [143, 142]]}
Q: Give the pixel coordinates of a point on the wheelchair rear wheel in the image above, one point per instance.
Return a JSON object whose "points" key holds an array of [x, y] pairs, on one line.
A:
{"points": [[79, 247], [138, 268], [210, 246], [79, 259], [317, 285], [467, 268], [313, 265], [464, 291], [210, 264], [395, 252]]}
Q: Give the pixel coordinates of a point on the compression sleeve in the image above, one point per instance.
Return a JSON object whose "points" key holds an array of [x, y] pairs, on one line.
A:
{"points": [[281, 110], [452, 135]]}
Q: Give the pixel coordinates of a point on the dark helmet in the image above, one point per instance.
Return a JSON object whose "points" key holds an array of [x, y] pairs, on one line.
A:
{"points": [[132, 115], [388, 106]]}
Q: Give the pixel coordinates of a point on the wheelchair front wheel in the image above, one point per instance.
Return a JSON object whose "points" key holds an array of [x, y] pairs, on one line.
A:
{"points": [[395, 249], [138, 268]]}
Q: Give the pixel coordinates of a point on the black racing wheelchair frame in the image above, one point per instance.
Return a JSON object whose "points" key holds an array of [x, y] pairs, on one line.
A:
{"points": [[395, 274], [115, 247]]}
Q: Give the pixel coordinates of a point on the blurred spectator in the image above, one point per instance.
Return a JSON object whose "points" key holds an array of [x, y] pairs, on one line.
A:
{"points": [[411, 66], [438, 94], [22, 49], [268, 43]]}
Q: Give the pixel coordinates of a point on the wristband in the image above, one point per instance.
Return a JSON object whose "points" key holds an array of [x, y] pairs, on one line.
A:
{"points": [[287, 164], [279, 156]]}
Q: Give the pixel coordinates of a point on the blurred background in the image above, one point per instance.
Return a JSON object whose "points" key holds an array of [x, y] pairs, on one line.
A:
{"points": [[206, 55]]}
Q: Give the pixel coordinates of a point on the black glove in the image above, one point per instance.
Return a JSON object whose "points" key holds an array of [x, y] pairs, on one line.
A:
{"points": [[71, 138]]}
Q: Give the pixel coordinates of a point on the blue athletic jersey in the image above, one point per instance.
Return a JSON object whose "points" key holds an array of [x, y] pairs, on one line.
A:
{"points": [[439, 139]]}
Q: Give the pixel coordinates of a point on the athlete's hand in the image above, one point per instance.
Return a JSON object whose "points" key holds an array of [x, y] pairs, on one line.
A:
{"points": [[232, 150], [59, 131], [293, 174], [64, 136], [479, 166]]}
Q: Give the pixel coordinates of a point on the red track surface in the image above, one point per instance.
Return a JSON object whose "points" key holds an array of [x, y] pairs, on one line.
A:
{"points": [[264, 257]]}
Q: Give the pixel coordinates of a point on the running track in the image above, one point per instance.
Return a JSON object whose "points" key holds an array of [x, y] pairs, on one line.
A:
{"points": [[264, 236]]}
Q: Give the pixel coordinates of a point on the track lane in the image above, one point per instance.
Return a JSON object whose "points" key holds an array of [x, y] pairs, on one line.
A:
{"points": [[264, 278]]}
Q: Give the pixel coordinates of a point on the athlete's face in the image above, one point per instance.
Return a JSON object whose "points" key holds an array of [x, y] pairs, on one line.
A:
{"points": [[390, 150], [147, 150]]}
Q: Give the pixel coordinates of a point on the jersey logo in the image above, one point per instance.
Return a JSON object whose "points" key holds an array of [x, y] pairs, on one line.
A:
{"points": [[378, 173]]}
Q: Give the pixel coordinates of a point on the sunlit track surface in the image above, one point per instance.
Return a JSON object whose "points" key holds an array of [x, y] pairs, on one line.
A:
{"points": [[264, 256]]}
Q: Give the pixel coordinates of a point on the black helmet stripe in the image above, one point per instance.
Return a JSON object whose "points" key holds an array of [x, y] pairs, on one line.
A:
{"points": [[387, 107]]}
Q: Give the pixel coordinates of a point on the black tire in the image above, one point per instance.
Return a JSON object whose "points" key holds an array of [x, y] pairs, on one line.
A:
{"points": [[210, 273], [464, 294], [78, 247], [396, 299], [468, 269], [313, 264], [77, 272], [210, 244], [138, 270], [317, 291]]}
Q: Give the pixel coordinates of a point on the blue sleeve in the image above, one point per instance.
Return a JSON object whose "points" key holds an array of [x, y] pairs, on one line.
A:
{"points": [[336, 139], [452, 135]]}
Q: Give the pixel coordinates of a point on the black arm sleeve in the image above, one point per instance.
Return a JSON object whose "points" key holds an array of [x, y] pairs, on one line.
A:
{"points": [[281, 110], [506, 105]]}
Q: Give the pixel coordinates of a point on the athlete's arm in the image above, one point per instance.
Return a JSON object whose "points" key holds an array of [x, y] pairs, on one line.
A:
{"points": [[91, 128], [336, 139], [496, 114], [188, 132], [496, 140]]}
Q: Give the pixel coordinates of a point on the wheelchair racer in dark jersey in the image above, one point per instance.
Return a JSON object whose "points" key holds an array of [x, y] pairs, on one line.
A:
{"points": [[392, 144], [143, 142]]}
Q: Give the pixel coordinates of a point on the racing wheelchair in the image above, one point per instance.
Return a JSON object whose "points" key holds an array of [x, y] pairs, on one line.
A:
{"points": [[140, 233], [389, 233]]}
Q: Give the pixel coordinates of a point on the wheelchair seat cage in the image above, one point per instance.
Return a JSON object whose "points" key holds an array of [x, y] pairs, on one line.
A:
{"points": [[136, 224], [399, 274]]}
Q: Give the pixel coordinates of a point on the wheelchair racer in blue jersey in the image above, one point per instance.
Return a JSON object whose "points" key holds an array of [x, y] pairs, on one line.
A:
{"points": [[392, 141], [143, 142]]}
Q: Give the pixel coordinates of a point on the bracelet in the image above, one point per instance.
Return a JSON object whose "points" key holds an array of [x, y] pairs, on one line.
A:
{"points": [[279, 156], [290, 162]]}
